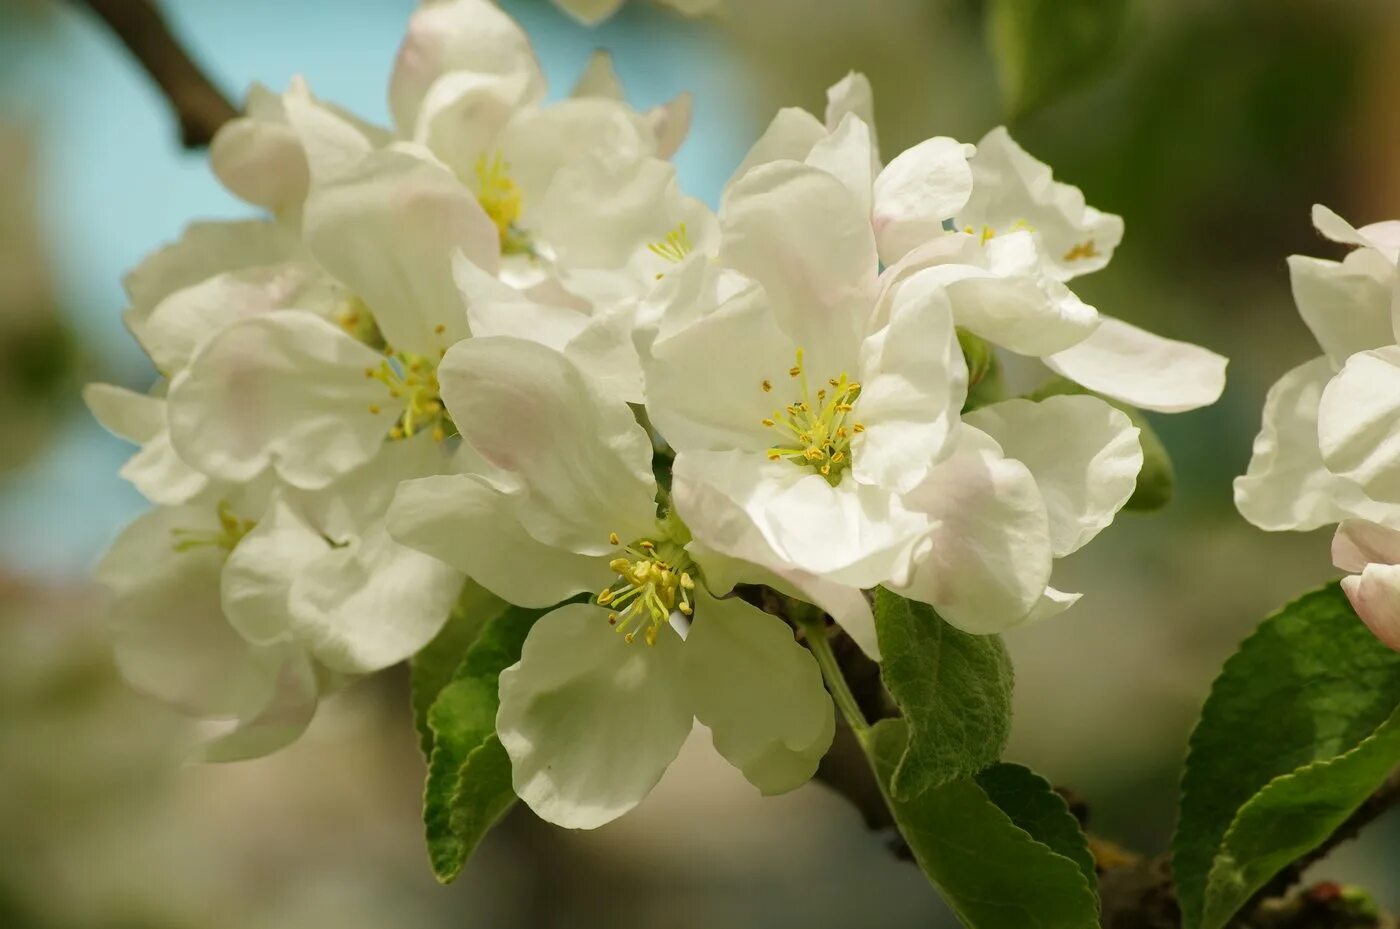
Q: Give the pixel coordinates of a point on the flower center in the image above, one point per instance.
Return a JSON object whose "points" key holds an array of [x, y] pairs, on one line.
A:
{"points": [[500, 197], [990, 232], [653, 582], [231, 531], [674, 248], [412, 382], [817, 429]]}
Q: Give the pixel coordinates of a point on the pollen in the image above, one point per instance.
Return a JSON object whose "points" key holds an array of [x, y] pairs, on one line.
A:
{"points": [[1081, 251], [411, 382], [674, 247], [500, 197], [653, 581], [819, 430]]}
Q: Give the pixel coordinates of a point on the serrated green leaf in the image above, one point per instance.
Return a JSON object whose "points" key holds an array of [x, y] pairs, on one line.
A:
{"points": [[992, 873], [433, 667], [1293, 815], [1157, 479], [1036, 807], [953, 689], [1308, 686], [483, 797], [1047, 48], [462, 719]]}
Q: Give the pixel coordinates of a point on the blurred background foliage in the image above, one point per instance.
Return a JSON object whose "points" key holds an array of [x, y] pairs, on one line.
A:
{"points": [[1211, 127]]}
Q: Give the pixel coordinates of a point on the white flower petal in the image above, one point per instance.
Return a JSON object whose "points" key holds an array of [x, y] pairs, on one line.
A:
{"points": [[258, 157], [370, 602], [1384, 237], [1012, 189], [1357, 422], [913, 383], [789, 137], [916, 192], [1359, 542], [168, 632], [1287, 485], [258, 576], [1346, 304], [162, 475], [126, 414], [804, 237], [458, 35], [590, 12], [852, 534], [848, 154], [540, 141], [286, 390], [589, 721], [464, 521], [1052, 603], [1083, 453], [202, 251], [705, 382], [988, 557], [584, 460], [332, 142], [1375, 595], [670, 123], [283, 717], [852, 95], [389, 231], [599, 78], [758, 691], [1141, 369], [464, 114]]}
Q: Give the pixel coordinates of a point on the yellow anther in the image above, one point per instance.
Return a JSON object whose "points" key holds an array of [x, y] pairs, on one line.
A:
{"points": [[858, 427], [818, 424], [1082, 250], [794, 371], [767, 385], [439, 434], [605, 596], [675, 247], [374, 408], [769, 422], [614, 538], [773, 455], [687, 582], [439, 329], [686, 609], [499, 197]]}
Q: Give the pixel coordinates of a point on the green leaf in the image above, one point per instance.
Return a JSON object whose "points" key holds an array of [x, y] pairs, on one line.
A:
{"points": [[433, 667], [993, 873], [1036, 807], [984, 379], [1046, 48], [463, 720], [953, 689], [1157, 479], [484, 795], [1310, 685], [1292, 816]]}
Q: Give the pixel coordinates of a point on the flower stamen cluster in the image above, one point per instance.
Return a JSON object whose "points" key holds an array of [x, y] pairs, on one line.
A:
{"points": [[819, 426], [500, 197], [412, 379], [652, 584], [231, 531]]}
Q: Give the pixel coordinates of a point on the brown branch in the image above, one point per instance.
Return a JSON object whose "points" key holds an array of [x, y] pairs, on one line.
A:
{"points": [[198, 104]]}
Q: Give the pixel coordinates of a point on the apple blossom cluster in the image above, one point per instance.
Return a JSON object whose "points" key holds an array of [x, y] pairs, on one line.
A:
{"points": [[1329, 448], [496, 344]]}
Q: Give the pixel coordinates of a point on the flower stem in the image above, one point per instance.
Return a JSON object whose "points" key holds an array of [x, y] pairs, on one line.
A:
{"points": [[841, 694]]}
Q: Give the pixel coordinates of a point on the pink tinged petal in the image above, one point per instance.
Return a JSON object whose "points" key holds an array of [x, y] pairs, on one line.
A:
{"points": [[913, 383], [916, 192], [789, 137], [1375, 595], [1083, 453], [289, 708], [758, 691], [848, 154], [459, 35], [389, 231], [804, 237], [1012, 189], [1359, 423], [332, 144], [602, 210], [705, 382], [464, 114], [584, 461], [670, 123], [589, 721], [1287, 485], [1346, 304], [202, 251], [987, 559], [468, 524], [1359, 543], [1141, 369], [370, 602], [784, 516], [1384, 237], [286, 390], [168, 632]]}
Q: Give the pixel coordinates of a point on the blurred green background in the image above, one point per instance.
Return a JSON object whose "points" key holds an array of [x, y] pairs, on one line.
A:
{"points": [[1212, 128]]}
